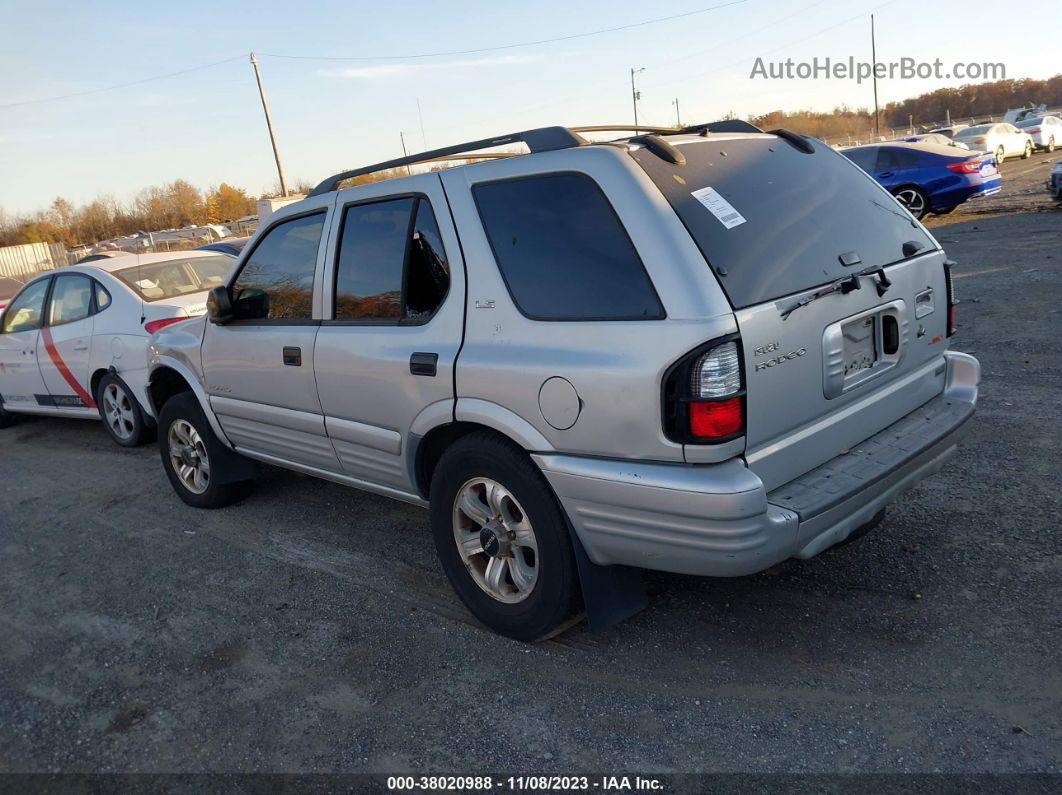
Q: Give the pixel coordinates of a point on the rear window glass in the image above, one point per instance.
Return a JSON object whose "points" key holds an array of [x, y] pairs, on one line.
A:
{"points": [[563, 252], [981, 129], [160, 280], [796, 214]]}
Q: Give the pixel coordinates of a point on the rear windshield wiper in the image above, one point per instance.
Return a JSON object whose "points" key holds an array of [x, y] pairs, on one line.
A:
{"points": [[842, 286]]}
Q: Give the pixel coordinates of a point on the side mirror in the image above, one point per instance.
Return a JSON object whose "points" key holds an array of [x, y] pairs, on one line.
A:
{"points": [[219, 305]]}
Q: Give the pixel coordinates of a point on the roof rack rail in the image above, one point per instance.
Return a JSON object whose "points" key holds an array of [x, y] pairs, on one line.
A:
{"points": [[542, 139], [724, 126], [626, 127]]}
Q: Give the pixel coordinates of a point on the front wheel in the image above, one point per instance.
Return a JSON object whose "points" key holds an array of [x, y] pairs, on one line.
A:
{"points": [[122, 416], [502, 538], [915, 200], [1028, 151], [194, 458]]}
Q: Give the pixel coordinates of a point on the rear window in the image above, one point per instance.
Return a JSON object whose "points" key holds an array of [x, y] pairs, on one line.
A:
{"points": [[980, 129], [160, 280], [563, 252], [785, 216], [1029, 122]]}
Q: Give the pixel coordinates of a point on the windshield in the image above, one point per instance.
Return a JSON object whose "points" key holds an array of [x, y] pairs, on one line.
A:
{"points": [[160, 280], [1029, 122], [979, 130], [772, 220]]}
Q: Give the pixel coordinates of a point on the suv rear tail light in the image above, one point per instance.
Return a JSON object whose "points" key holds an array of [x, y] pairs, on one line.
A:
{"points": [[154, 325], [972, 166], [952, 300], [1034, 131], [704, 397]]}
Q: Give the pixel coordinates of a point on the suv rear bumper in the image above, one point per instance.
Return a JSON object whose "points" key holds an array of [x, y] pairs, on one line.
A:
{"points": [[718, 520]]}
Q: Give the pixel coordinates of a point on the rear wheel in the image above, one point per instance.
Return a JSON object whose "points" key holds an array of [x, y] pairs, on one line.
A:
{"points": [[502, 538], [1051, 144], [1001, 155], [194, 458], [122, 416], [1028, 151], [915, 200]]}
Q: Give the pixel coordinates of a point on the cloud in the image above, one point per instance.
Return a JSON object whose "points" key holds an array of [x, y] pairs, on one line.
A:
{"points": [[402, 69]]}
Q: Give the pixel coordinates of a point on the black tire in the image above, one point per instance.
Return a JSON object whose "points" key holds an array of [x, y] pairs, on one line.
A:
{"points": [[555, 597], [1028, 151], [219, 491], [6, 417], [124, 419]]}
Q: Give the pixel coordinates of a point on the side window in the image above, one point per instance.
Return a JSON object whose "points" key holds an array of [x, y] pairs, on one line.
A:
{"points": [[562, 250], [27, 310], [864, 158], [277, 281], [886, 161], [71, 299], [103, 298], [391, 264]]}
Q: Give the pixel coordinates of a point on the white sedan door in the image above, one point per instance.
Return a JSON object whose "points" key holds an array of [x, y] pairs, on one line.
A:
{"points": [[21, 383], [65, 343]]}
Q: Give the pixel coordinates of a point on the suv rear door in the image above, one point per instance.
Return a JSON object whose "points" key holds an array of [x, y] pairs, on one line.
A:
{"points": [[258, 368], [393, 309], [822, 376]]}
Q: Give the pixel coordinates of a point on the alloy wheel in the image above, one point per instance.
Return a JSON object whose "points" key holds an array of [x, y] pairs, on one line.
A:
{"points": [[913, 200], [495, 540], [188, 456], [118, 411]]}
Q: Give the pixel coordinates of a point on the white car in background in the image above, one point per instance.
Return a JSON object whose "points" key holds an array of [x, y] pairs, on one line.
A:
{"points": [[73, 341], [1001, 139], [1045, 131]]}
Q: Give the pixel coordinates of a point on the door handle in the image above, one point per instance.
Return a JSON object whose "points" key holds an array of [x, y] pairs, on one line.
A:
{"points": [[424, 364], [80, 345], [293, 356]]}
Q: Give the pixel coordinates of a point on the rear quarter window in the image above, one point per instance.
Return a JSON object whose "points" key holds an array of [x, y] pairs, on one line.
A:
{"points": [[562, 250]]}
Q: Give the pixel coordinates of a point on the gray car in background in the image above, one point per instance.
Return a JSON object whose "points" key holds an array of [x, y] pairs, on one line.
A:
{"points": [[661, 352]]}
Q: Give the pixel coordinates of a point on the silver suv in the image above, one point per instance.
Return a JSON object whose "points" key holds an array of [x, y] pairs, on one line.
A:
{"points": [[701, 351]]}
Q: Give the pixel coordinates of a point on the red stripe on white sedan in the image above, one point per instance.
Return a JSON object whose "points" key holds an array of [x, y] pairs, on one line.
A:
{"points": [[64, 371]]}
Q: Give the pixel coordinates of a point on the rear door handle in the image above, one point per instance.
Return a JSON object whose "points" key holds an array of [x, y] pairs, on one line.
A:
{"points": [[80, 345], [424, 364], [293, 356]]}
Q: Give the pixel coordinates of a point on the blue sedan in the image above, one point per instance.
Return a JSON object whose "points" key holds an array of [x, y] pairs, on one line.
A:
{"points": [[926, 178]]}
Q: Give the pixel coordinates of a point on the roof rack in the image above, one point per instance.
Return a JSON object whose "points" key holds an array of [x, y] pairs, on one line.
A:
{"points": [[542, 139]]}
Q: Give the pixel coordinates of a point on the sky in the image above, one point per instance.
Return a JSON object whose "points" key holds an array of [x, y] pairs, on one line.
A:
{"points": [[331, 113]]}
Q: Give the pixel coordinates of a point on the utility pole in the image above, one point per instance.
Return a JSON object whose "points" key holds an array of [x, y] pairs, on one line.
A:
{"points": [[635, 94], [269, 124], [402, 138], [874, 59], [678, 117]]}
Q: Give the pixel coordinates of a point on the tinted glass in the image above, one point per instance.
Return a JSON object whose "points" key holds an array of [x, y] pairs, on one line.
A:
{"points": [[562, 250], [26, 311], [372, 255], [801, 212], [71, 300], [969, 132], [428, 272], [1032, 123], [864, 158], [277, 281], [157, 281]]}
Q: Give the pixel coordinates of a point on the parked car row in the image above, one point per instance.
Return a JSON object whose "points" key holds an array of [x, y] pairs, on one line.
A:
{"points": [[585, 360]]}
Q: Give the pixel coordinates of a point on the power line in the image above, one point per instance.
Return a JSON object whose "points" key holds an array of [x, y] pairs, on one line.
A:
{"points": [[503, 46], [120, 85]]}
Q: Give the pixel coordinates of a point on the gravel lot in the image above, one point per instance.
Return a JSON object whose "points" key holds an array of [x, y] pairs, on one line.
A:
{"points": [[309, 629]]}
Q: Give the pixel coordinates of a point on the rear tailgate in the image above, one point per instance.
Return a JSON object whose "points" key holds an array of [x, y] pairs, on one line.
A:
{"points": [[778, 224]]}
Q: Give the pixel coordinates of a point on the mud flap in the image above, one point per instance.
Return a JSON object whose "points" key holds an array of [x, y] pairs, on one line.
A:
{"points": [[611, 594]]}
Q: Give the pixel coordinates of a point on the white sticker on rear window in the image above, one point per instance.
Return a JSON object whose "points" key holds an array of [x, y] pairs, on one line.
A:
{"points": [[719, 207]]}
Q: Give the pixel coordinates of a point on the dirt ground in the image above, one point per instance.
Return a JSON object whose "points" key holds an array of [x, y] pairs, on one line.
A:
{"points": [[310, 629]]}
